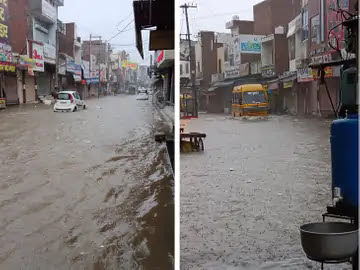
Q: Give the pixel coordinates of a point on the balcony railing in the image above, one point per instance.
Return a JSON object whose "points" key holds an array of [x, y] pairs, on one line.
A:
{"points": [[44, 11]]}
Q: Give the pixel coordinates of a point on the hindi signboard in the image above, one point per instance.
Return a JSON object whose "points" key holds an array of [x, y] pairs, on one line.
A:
{"points": [[37, 53]]}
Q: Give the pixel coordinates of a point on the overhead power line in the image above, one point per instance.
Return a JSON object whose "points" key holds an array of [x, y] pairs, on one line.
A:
{"points": [[121, 31]]}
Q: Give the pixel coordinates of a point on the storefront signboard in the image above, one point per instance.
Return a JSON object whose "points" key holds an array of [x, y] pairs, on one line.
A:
{"points": [[304, 75], [288, 84], [6, 66], [36, 52], [250, 44]]}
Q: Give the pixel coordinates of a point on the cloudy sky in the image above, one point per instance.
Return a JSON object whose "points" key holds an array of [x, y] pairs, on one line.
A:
{"points": [[213, 14], [105, 18]]}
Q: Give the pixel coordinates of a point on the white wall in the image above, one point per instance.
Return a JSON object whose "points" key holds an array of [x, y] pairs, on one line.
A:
{"points": [[198, 57], [267, 53]]}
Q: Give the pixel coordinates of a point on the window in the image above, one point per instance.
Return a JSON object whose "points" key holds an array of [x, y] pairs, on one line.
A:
{"points": [[181, 69], [198, 66], [254, 97], [305, 23], [187, 68], [315, 29], [219, 69]]}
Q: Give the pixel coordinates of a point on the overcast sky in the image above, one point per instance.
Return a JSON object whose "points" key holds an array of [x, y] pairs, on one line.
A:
{"points": [[107, 17], [213, 14], [102, 18]]}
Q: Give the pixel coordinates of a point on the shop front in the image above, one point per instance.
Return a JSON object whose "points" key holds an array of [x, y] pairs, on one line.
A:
{"points": [[46, 79]]}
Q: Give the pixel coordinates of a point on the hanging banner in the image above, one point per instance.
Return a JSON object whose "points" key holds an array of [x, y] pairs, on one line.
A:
{"points": [[25, 61], [127, 64], [5, 66]]}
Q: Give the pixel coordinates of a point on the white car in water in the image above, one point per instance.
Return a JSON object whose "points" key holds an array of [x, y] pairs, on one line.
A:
{"points": [[142, 95], [69, 101]]}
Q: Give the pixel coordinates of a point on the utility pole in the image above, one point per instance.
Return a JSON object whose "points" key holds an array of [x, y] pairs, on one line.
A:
{"points": [[90, 55], [57, 61], [191, 59], [99, 49]]}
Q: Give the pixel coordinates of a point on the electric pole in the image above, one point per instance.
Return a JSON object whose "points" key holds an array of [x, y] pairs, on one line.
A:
{"points": [[191, 59], [99, 49], [57, 61]]}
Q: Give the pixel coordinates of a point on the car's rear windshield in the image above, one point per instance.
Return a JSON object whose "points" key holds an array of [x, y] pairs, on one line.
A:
{"points": [[63, 96]]}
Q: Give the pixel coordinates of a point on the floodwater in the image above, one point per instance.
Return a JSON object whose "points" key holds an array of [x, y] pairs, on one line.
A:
{"points": [[85, 190], [244, 198]]}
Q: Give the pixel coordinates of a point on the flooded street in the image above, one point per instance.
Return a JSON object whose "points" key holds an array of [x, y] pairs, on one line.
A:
{"points": [[244, 198], [85, 190]]}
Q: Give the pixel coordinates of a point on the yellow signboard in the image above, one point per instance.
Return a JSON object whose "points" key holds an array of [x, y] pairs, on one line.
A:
{"points": [[288, 84], [127, 64]]}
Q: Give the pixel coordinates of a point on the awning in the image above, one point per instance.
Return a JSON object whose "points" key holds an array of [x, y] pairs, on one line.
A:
{"points": [[273, 85], [219, 85], [159, 14], [290, 78], [236, 81]]}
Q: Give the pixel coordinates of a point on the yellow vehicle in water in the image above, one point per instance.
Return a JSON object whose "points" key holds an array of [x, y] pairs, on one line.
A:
{"points": [[185, 102], [250, 100]]}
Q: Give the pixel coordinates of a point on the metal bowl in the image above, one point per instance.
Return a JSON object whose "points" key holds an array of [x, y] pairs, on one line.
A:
{"points": [[329, 241]]}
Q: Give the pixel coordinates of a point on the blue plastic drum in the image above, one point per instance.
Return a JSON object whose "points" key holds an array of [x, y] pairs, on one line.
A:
{"points": [[344, 159]]}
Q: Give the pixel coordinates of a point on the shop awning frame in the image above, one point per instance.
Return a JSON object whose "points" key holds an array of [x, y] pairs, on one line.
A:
{"points": [[157, 14]]}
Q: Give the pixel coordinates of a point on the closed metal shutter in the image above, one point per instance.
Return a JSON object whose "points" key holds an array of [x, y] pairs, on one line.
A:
{"points": [[43, 83], [11, 90], [30, 88]]}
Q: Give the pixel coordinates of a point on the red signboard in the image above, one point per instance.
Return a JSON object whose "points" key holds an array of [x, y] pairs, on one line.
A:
{"points": [[161, 56], [333, 19]]}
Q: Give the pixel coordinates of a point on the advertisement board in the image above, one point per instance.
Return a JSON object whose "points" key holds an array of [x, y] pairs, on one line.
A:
{"points": [[72, 67], [6, 66], [5, 53], [250, 44], [304, 75], [133, 66], [332, 19], [86, 69], [25, 61], [37, 53], [4, 23]]}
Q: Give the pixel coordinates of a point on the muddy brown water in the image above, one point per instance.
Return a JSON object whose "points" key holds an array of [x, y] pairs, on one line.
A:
{"points": [[85, 190], [244, 198]]}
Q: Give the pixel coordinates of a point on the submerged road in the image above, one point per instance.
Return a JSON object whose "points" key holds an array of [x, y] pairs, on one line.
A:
{"points": [[244, 198], [85, 190]]}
